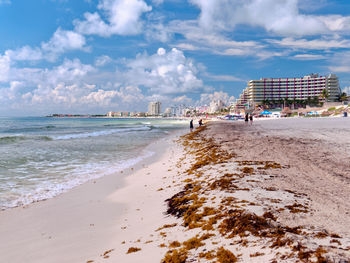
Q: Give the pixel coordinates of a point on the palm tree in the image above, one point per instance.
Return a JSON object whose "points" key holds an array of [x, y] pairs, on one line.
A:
{"points": [[325, 94], [286, 102], [315, 101], [343, 96], [308, 101]]}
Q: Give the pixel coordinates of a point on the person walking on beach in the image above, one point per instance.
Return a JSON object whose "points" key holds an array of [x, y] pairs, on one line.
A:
{"points": [[251, 119], [191, 125], [246, 117]]}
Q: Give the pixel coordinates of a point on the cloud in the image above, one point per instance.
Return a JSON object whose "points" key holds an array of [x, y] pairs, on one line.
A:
{"points": [[102, 60], [308, 57], [158, 32], [336, 23], [278, 17], [69, 87], [61, 41], [339, 63], [157, 2], [4, 67], [5, 2], [182, 100], [315, 44], [166, 73], [72, 86], [339, 68], [346, 90], [200, 39], [228, 78], [206, 98], [123, 18]]}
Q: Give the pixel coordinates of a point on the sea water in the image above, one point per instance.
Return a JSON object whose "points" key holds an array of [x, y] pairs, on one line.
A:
{"points": [[42, 157]]}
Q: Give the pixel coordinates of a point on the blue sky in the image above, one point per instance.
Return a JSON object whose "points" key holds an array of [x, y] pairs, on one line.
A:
{"points": [[95, 56]]}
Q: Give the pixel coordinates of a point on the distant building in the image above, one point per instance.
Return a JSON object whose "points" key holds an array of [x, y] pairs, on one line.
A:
{"points": [[202, 109], [275, 89], [154, 108], [216, 106], [141, 114], [168, 112], [111, 114], [120, 114]]}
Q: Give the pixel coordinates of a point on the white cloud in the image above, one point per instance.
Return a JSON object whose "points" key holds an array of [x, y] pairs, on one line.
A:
{"points": [[182, 100], [157, 2], [281, 17], [206, 98], [61, 42], [198, 38], [339, 68], [102, 60], [25, 53], [316, 44], [308, 57], [123, 16], [158, 32], [346, 90], [5, 2], [340, 62], [4, 67], [73, 86], [222, 77], [164, 73], [336, 22]]}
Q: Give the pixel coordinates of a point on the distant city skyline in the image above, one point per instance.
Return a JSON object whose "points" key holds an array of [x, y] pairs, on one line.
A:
{"points": [[94, 56]]}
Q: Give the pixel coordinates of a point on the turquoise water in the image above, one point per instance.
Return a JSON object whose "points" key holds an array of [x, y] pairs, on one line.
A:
{"points": [[43, 157]]}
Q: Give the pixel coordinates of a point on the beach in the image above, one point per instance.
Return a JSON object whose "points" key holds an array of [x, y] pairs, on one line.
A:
{"points": [[273, 191]]}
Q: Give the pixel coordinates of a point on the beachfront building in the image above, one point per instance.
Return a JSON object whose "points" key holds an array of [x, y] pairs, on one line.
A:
{"points": [[120, 114], [216, 105], [277, 89], [154, 108], [168, 112]]}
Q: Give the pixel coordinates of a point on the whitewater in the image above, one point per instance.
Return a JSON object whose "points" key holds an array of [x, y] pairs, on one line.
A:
{"points": [[43, 157]]}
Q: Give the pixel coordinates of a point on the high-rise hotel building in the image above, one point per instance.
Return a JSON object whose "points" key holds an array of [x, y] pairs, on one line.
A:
{"points": [[154, 108], [274, 89]]}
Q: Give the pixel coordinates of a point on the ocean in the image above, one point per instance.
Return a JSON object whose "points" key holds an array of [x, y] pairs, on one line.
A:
{"points": [[41, 157]]}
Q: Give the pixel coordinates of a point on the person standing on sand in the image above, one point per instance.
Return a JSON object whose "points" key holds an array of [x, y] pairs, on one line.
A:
{"points": [[246, 117], [191, 125], [251, 119]]}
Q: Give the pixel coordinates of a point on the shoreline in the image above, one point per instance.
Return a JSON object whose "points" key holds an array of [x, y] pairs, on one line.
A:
{"points": [[74, 225]]}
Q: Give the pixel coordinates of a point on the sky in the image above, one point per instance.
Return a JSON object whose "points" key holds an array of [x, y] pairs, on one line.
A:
{"points": [[96, 56]]}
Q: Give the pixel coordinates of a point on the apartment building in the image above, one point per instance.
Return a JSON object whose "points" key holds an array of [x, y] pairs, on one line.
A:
{"points": [[274, 89], [154, 108]]}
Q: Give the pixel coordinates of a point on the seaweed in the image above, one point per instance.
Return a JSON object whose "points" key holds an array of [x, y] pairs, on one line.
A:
{"points": [[257, 254], [133, 250], [192, 243], [175, 256], [240, 221], [225, 256], [174, 244], [297, 208]]}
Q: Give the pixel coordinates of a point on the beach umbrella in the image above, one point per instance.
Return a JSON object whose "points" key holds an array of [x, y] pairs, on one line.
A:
{"points": [[266, 112]]}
